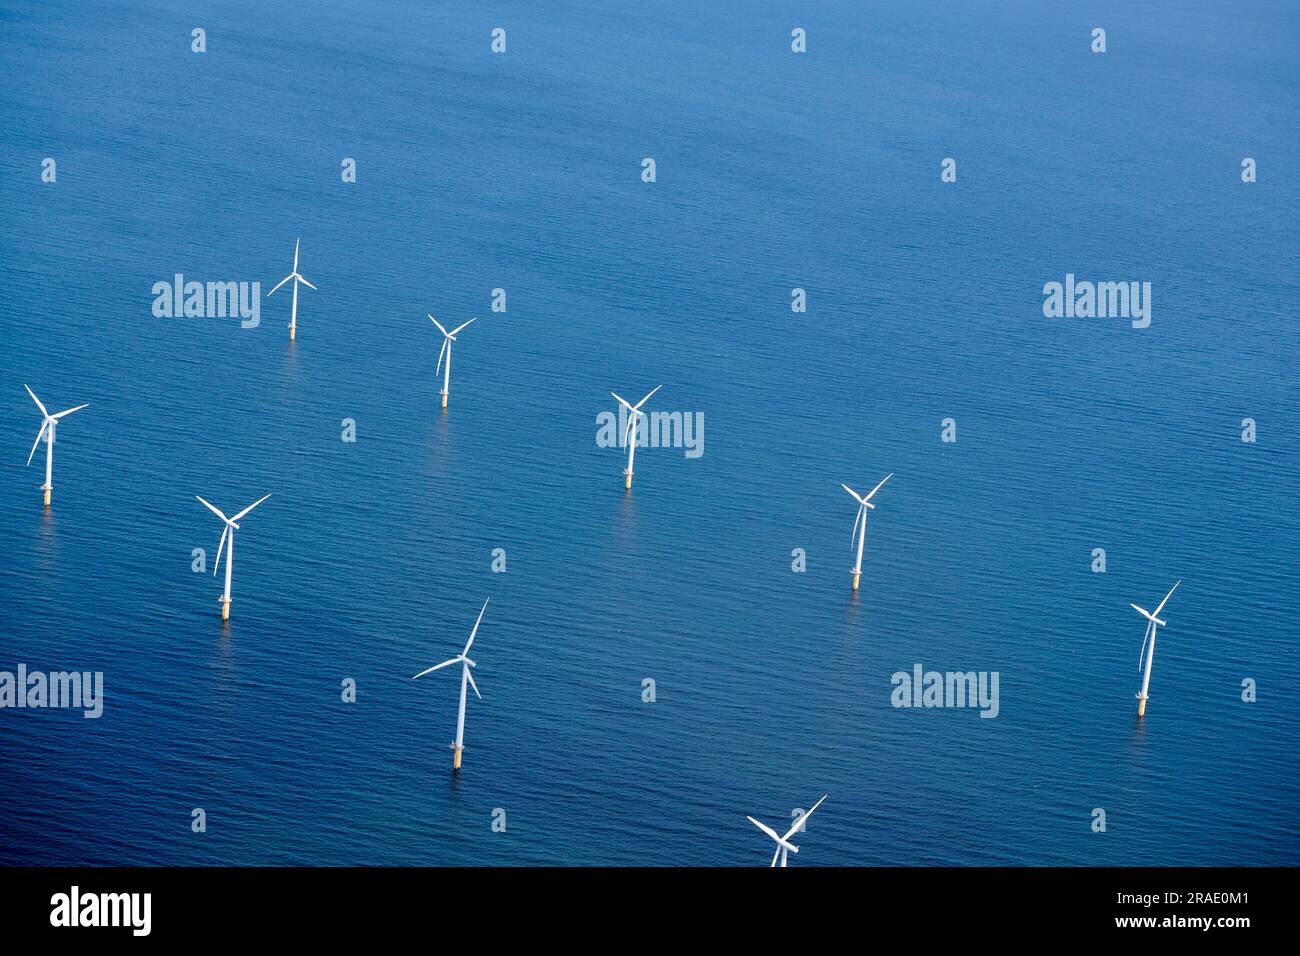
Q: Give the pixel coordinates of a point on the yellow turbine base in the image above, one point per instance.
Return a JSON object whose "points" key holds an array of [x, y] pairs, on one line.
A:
{"points": [[455, 759], [225, 610], [628, 482], [293, 330], [444, 405], [1142, 706], [857, 575], [47, 497]]}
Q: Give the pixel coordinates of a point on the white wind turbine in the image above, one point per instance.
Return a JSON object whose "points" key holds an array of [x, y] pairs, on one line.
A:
{"points": [[228, 533], [293, 315], [1153, 624], [860, 523], [465, 676], [445, 352], [783, 845], [48, 424], [634, 413]]}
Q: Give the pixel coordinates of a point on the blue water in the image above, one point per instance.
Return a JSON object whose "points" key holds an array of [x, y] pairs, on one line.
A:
{"points": [[775, 170]]}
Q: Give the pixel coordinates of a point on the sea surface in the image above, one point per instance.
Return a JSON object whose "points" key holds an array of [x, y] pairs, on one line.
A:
{"points": [[774, 171]]}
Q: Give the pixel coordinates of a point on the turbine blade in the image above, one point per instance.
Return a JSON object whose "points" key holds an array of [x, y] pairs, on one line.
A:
{"points": [[214, 509], [1161, 606], [1145, 635], [308, 284], [856, 497], [295, 254], [1142, 612], [224, 531], [765, 828], [441, 352], [475, 631], [877, 488], [438, 324], [459, 327], [57, 415], [430, 670], [647, 398], [781, 841], [37, 401], [775, 856], [45, 423], [853, 540], [472, 684], [801, 820], [281, 282], [250, 508], [623, 401]]}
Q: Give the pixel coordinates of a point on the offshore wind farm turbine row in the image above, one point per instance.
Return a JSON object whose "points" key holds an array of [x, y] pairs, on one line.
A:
{"points": [[631, 434], [49, 425]]}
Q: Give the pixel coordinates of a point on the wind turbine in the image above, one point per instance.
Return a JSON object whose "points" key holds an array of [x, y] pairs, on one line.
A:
{"points": [[634, 412], [860, 523], [228, 532], [1153, 624], [465, 676], [783, 845], [447, 339], [48, 424], [293, 315]]}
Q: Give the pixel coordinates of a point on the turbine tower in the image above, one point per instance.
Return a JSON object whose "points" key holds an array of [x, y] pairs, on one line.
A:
{"points": [[228, 544], [445, 352], [293, 315], [48, 424], [1153, 624], [634, 413], [465, 677], [860, 523]]}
